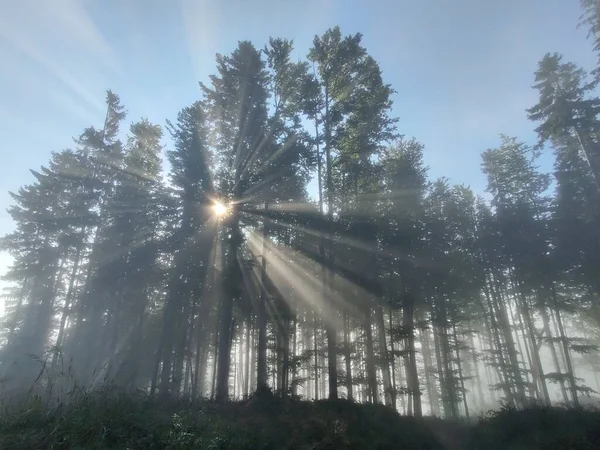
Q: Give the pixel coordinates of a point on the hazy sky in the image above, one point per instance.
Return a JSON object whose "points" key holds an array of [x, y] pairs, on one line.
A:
{"points": [[462, 69]]}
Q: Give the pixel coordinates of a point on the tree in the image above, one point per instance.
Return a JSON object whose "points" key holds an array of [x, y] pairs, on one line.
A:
{"points": [[564, 110], [352, 109], [190, 175], [591, 18], [522, 219], [103, 158]]}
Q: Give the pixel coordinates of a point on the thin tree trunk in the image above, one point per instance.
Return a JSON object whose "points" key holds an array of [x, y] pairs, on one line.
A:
{"points": [[347, 355], [371, 373], [261, 380], [536, 355], [329, 327], [253, 358], [198, 363], [187, 375], [411, 368], [215, 363], [497, 354], [226, 312], [441, 372], [553, 352], [316, 357], [392, 359], [449, 378], [510, 344], [383, 354], [294, 384], [478, 383], [67, 306], [460, 374], [185, 320], [240, 361], [570, 371], [505, 371], [247, 361], [323, 384], [533, 384], [224, 353], [432, 396]]}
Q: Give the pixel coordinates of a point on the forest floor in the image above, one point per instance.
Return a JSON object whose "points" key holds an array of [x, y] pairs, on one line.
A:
{"points": [[114, 419]]}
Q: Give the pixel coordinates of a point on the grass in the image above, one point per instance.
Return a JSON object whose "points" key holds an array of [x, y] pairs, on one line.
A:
{"points": [[111, 418]]}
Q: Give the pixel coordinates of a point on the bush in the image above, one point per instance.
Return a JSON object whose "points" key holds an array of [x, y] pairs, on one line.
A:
{"points": [[110, 418], [537, 428]]}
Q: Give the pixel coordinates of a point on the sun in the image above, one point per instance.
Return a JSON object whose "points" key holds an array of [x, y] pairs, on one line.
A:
{"points": [[220, 209]]}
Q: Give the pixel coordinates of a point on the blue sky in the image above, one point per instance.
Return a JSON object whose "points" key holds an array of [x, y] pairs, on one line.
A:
{"points": [[462, 69]]}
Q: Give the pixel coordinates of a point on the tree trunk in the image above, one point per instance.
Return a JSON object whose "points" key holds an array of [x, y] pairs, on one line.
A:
{"points": [[371, 371], [324, 379], [347, 356], [261, 380], [182, 348], [316, 367], [240, 360], [570, 371], [497, 354], [449, 377], [478, 383], [214, 367], [536, 355], [534, 390], [460, 374], [392, 359], [411, 369], [329, 327], [432, 394], [247, 367], [199, 365], [294, 384], [510, 344], [553, 352], [383, 354], [231, 281], [66, 308], [253, 358]]}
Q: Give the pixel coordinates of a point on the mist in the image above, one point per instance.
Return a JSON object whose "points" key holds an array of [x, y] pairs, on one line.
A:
{"points": [[296, 247]]}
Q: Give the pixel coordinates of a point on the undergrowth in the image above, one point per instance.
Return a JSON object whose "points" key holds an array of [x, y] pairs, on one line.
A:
{"points": [[539, 427], [112, 418]]}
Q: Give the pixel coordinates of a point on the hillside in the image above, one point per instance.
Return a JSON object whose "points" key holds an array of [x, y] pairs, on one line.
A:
{"points": [[112, 418]]}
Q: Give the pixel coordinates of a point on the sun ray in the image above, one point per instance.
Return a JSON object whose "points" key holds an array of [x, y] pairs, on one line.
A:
{"points": [[345, 240], [289, 270]]}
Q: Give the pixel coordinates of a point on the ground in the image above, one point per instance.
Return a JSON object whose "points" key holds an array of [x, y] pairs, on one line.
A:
{"points": [[111, 418]]}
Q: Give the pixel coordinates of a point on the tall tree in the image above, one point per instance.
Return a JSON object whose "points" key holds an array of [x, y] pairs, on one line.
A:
{"points": [[190, 175], [564, 110], [352, 109]]}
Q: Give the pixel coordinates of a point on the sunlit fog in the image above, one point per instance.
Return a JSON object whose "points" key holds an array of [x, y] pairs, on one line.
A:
{"points": [[294, 225]]}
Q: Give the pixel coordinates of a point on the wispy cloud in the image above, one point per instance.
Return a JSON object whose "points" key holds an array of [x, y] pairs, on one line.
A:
{"points": [[61, 39], [202, 24]]}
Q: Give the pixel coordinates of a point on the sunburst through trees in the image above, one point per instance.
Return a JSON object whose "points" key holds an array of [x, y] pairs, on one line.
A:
{"points": [[376, 285]]}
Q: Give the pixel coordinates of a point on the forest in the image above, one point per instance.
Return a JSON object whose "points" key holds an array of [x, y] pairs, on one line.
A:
{"points": [[296, 246]]}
